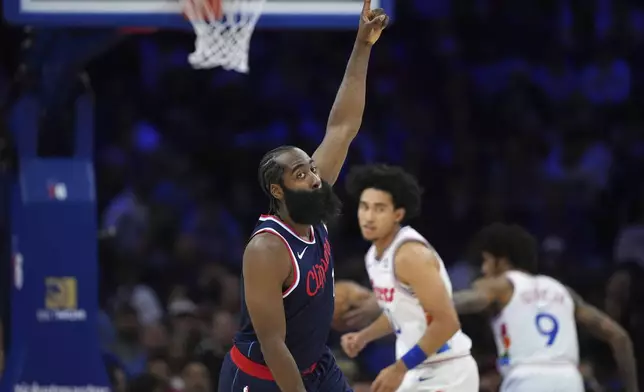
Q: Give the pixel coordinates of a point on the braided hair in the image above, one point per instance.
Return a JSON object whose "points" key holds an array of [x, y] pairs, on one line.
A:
{"points": [[270, 172]]}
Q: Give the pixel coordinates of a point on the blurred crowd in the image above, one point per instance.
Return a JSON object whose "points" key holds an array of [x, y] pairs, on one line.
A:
{"points": [[517, 111]]}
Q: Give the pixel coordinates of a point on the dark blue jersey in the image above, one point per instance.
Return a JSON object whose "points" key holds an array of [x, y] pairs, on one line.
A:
{"points": [[308, 301]]}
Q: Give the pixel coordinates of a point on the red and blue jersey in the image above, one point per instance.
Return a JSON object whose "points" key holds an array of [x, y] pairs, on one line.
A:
{"points": [[308, 300]]}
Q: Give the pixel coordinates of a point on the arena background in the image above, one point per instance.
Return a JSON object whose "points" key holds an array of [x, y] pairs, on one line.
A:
{"points": [[528, 111]]}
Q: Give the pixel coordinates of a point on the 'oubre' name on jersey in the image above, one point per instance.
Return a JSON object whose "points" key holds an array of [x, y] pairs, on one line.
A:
{"points": [[405, 313], [538, 325]]}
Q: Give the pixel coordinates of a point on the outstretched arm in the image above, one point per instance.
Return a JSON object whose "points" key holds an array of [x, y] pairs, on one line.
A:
{"points": [[266, 268], [363, 314], [482, 295], [346, 114], [602, 326]]}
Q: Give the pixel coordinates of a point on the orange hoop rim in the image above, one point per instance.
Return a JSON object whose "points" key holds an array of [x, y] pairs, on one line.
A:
{"points": [[203, 8]]}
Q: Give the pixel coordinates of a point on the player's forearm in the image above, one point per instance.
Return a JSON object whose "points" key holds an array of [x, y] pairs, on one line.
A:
{"points": [[625, 358], [613, 308], [438, 332], [282, 366], [346, 114], [376, 330], [470, 301]]}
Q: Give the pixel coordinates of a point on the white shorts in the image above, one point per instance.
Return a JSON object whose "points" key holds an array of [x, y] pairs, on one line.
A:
{"points": [[543, 378], [451, 375]]}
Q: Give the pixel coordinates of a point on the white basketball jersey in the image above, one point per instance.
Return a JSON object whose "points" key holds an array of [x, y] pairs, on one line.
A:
{"points": [[538, 325], [406, 315]]}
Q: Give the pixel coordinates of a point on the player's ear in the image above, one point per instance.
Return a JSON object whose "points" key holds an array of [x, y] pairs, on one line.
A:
{"points": [[399, 214], [277, 191]]}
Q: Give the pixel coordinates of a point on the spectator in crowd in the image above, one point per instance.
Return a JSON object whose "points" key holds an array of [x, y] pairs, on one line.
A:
{"points": [[127, 347], [196, 377], [158, 366], [146, 383], [115, 374]]}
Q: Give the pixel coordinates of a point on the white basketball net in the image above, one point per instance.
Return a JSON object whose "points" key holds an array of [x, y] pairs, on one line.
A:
{"points": [[222, 42]]}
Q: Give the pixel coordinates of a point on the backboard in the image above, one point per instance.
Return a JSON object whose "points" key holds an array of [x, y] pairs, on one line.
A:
{"points": [[167, 13]]}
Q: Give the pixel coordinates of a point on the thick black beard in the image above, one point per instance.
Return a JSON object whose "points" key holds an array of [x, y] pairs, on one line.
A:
{"points": [[320, 205]]}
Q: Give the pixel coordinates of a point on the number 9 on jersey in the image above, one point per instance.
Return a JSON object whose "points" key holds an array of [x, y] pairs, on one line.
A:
{"points": [[548, 326]]}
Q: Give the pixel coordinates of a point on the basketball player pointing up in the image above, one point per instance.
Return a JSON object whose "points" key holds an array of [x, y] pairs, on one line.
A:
{"points": [[412, 286], [287, 297], [535, 317]]}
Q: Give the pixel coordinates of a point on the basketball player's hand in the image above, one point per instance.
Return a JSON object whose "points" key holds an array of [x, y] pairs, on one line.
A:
{"points": [[372, 22], [588, 374], [389, 378], [352, 343], [362, 315]]}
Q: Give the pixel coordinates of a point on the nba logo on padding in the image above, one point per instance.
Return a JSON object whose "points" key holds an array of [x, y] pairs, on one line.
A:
{"points": [[61, 293], [57, 191]]}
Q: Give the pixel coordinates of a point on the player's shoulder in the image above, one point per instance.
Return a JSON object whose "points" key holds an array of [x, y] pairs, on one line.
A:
{"points": [[265, 246], [564, 289], [519, 277], [549, 281], [266, 260], [413, 255], [409, 241], [407, 233], [411, 249]]}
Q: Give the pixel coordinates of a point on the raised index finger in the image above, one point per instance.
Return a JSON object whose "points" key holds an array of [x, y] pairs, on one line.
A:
{"points": [[366, 6]]}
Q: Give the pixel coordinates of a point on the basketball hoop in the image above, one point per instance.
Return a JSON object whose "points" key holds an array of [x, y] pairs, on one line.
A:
{"points": [[224, 29]]}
